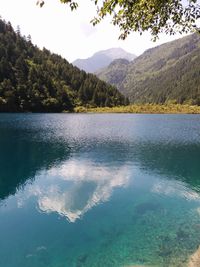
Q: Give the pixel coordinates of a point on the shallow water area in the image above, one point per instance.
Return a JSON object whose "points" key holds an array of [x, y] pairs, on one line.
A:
{"points": [[97, 190]]}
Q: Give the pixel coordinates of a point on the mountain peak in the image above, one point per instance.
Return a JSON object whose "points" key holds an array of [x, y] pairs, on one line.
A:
{"points": [[102, 59]]}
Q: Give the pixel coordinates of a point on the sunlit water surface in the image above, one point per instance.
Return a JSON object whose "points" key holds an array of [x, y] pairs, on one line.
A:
{"points": [[99, 190]]}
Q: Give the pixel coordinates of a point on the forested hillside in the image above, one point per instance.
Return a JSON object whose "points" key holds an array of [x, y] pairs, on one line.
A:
{"points": [[38, 81], [167, 73], [115, 73]]}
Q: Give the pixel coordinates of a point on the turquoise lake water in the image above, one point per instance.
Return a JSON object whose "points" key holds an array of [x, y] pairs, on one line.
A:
{"points": [[105, 190]]}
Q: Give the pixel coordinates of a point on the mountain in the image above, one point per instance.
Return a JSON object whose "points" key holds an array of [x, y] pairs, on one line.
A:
{"points": [[102, 59], [115, 73], [38, 81], [169, 72]]}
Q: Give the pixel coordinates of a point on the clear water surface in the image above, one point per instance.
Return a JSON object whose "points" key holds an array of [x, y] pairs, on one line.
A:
{"points": [[99, 190]]}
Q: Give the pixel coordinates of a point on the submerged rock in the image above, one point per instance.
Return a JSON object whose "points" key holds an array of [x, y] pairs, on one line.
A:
{"points": [[142, 208], [182, 235], [81, 260], [194, 260]]}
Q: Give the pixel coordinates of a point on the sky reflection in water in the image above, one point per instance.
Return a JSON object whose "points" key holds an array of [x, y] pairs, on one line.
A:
{"points": [[99, 190]]}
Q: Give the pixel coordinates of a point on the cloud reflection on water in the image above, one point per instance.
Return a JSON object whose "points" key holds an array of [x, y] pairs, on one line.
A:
{"points": [[75, 187], [174, 188]]}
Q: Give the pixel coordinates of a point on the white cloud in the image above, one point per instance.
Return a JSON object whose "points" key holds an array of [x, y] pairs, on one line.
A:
{"points": [[88, 29], [75, 187], [170, 188]]}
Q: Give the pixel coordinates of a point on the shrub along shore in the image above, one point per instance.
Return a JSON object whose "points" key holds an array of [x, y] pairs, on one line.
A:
{"points": [[143, 109]]}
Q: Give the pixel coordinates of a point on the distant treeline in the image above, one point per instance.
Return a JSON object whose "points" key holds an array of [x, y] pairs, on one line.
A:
{"points": [[38, 81]]}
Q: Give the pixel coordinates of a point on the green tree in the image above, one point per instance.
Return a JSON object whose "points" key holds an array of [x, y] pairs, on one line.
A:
{"points": [[21, 70], [9, 97], [156, 16]]}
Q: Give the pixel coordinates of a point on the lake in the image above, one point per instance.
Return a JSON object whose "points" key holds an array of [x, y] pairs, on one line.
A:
{"points": [[99, 190]]}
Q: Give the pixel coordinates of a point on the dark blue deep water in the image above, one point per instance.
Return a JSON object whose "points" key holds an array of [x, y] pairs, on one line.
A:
{"points": [[99, 190]]}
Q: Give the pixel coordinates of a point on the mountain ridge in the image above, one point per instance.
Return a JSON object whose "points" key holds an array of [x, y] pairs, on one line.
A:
{"points": [[168, 72], [102, 59]]}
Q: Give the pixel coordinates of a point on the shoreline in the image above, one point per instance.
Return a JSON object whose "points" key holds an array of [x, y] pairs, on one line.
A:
{"points": [[143, 109], [194, 260], [130, 109]]}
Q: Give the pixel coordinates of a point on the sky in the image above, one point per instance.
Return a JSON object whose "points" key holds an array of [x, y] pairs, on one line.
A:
{"points": [[70, 34]]}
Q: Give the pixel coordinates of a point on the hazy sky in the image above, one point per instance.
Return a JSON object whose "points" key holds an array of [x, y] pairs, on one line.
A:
{"points": [[70, 34]]}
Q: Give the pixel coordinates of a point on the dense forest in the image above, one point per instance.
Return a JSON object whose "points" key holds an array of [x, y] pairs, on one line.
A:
{"points": [[169, 73], [39, 81]]}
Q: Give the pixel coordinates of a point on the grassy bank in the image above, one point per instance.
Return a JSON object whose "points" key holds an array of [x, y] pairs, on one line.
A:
{"points": [[146, 109]]}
